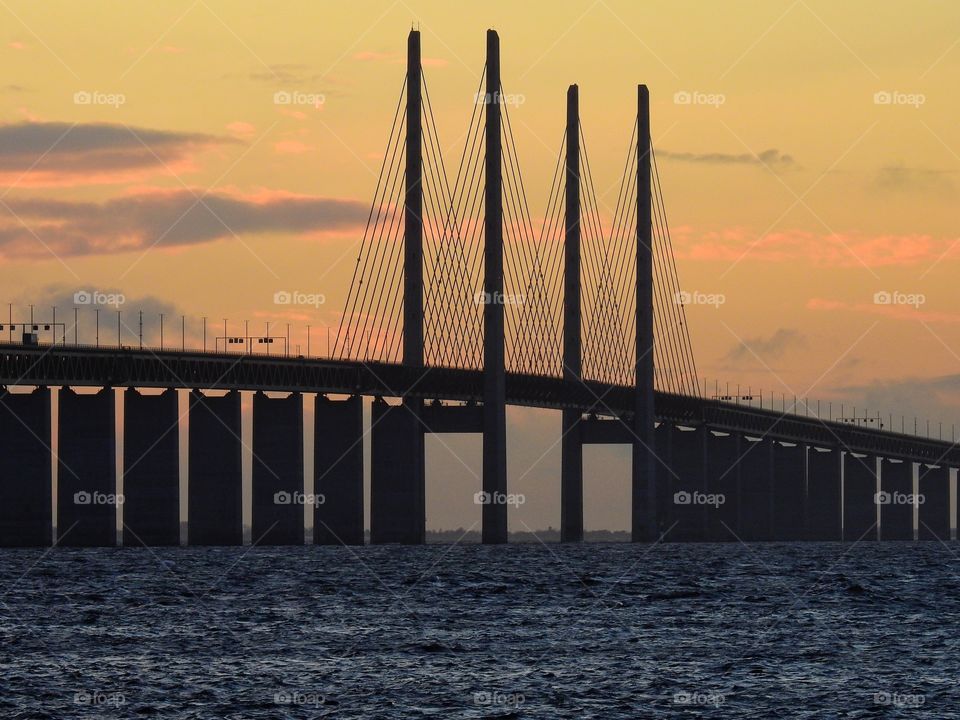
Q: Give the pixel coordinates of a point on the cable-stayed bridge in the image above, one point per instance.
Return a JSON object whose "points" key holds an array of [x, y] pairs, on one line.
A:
{"points": [[459, 305]]}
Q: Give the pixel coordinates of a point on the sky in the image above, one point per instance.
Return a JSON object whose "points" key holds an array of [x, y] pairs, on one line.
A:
{"points": [[808, 150]]}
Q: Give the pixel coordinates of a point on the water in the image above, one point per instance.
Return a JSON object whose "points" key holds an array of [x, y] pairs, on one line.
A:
{"points": [[524, 631]]}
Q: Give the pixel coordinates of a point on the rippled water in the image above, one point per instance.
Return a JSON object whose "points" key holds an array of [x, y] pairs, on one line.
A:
{"points": [[605, 631]]}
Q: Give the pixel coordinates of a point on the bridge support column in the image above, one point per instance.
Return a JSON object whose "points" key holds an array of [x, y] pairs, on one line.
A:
{"points": [[934, 514], [896, 491], [663, 480], [214, 513], [571, 451], [26, 469], [571, 478], [277, 480], [87, 469], [824, 511], [859, 491], [789, 491], [689, 499], [338, 471], [756, 489], [397, 509], [643, 466], [151, 469], [723, 479], [494, 514]]}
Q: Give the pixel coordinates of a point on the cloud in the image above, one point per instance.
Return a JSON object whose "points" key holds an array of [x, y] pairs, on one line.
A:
{"points": [[772, 158], [843, 249], [766, 348], [44, 154], [913, 180], [242, 130], [904, 311], [130, 304], [292, 147], [395, 58], [287, 74], [935, 398], [36, 227]]}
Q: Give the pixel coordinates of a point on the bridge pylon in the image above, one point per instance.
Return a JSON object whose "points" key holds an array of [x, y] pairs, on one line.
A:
{"points": [[644, 511], [398, 499], [494, 513], [571, 448]]}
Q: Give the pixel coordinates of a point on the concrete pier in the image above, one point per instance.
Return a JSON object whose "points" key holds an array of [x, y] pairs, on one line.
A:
{"points": [[823, 494], [151, 469], [688, 497], [723, 478], [756, 489], [26, 467], [859, 506], [789, 491], [896, 489], [214, 513], [87, 469], [662, 438], [397, 503], [338, 471], [934, 515], [278, 496], [571, 478]]}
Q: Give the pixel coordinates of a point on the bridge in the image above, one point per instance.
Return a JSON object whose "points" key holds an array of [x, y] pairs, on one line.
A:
{"points": [[458, 307]]}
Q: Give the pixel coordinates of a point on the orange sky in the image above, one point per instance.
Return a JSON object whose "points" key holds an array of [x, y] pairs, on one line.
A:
{"points": [[815, 165]]}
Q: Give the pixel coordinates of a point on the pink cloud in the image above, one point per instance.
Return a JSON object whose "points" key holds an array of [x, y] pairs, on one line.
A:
{"points": [[241, 130], [845, 249], [170, 219], [60, 154], [292, 147]]}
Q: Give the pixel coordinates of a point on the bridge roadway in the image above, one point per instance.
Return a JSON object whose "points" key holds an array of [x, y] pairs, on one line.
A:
{"points": [[73, 365]]}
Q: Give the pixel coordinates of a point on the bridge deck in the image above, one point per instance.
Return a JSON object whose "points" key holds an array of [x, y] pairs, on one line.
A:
{"points": [[133, 367]]}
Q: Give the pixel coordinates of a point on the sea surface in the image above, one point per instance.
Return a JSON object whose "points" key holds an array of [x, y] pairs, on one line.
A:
{"points": [[812, 630]]}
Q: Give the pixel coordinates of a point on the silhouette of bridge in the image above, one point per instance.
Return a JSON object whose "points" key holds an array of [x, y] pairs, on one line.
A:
{"points": [[458, 306]]}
